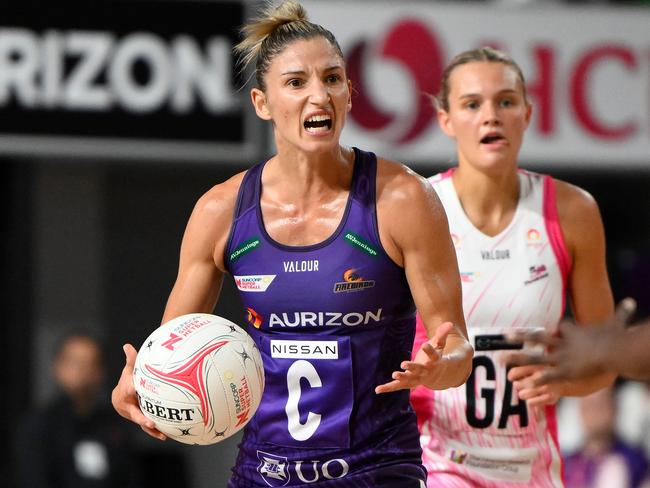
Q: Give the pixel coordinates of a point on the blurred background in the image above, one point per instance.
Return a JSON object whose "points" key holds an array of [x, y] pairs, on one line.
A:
{"points": [[116, 116]]}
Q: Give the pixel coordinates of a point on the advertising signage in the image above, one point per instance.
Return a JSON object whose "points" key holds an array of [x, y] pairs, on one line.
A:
{"points": [[125, 79], [588, 83]]}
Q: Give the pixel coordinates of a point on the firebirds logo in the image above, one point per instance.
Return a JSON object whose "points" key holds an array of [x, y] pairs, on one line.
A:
{"points": [[352, 282], [254, 318]]}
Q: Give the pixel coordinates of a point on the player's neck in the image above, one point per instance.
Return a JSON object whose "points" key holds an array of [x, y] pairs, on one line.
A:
{"points": [[489, 200], [297, 176]]}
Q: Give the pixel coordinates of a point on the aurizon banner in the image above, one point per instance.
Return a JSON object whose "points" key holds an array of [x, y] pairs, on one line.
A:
{"points": [[154, 78], [587, 71]]}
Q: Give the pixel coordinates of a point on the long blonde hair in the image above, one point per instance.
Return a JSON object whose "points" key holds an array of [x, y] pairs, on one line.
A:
{"points": [[267, 35]]}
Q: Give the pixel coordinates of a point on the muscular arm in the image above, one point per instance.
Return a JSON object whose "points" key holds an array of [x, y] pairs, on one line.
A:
{"points": [[197, 286], [415, 233], [201, 267]]}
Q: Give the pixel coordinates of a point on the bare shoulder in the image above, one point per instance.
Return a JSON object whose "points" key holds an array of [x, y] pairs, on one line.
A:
{"points": [[408, 209], [399, 185], [575, 205], [209, 225], [578, 213], [218, 203]]}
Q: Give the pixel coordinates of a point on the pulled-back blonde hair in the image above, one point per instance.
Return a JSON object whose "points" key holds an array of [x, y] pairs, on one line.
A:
{"points": [[486, 54], [267, 35]]}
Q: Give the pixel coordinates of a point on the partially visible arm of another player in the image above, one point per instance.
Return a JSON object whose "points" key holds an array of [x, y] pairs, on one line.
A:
{"points": [[580, 352], [625, 352], [589, 289], [415, 233], [197, 286]]}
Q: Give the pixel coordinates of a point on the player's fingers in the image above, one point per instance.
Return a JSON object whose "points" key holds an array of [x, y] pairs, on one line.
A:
{"points": [[131, 411], [549, 375], [520, 372], [391, 386], [407, 379], [412, 366], [433, 353], [134, 413], [131, 354], [542, 400], [154, 433], [526, 393]]}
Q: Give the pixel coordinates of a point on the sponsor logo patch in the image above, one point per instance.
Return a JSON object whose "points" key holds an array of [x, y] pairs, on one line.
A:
{"points": [[469, 276], [273, 469], [277, 470], [324, 319], [244, 248], [458, 457], [304, 349], [533, 235], [254, 318], [536, 273], [304, 266], [254, 283], [355, 240], [534, 238], [352, 282], [495, 254]]}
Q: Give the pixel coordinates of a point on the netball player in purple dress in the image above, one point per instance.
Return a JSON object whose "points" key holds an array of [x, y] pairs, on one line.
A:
{"points": [[347, 245]]}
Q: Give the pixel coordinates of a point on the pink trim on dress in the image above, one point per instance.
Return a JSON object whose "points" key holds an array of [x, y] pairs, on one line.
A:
{"points": [[551, 424], [555, 236], [442, 176]]}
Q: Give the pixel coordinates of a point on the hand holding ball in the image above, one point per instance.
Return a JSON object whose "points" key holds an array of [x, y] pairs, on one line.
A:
{"points": [[199, 377]]}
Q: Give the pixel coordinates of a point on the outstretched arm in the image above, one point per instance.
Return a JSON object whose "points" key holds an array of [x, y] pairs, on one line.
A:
{"points": [[417, 237], [580, 352], [197, 286]]}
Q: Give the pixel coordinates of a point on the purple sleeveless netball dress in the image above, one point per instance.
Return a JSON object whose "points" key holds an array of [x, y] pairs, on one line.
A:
{"points": [[332, 321]]}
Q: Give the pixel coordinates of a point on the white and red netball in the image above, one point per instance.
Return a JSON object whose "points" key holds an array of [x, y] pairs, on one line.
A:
{"points": [[199, 377]]}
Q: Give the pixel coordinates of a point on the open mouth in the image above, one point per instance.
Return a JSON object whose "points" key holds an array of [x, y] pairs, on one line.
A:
{"points": [[490, 138], [318, 123]]}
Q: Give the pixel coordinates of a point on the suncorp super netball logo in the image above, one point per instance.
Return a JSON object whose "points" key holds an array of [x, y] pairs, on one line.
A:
{"points": [[410, 47]]}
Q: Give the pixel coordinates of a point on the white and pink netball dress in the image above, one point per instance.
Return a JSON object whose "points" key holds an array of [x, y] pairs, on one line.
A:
{"points": [[481, 434]]}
